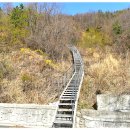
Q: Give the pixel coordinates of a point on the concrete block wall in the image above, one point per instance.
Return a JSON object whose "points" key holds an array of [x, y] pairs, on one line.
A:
{"points": [[113, 112], [111, 102], [27, 115], [110, 119], [80, 120]]}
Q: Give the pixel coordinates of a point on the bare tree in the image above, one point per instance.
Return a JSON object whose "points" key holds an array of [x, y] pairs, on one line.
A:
{"points": [[7, 7], [51, 31]]}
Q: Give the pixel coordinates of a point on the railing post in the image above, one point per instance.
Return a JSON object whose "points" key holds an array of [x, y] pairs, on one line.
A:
{"points": [[65, 80]]}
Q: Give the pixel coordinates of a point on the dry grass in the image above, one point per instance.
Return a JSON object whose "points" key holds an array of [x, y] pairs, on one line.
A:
{"points": [[26, 75], [105, 72]]}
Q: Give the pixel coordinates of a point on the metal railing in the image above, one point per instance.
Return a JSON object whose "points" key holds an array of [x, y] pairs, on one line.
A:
{"points": [[78, 80], [74, 82], [61, 80]]}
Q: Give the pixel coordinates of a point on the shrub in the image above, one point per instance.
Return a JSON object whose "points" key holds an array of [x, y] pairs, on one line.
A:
{"points": [[5, 69], [40, 52], [18, 20], [19, 17], [117, 29], [26, 77], [93, 37], [28, 82], [18, 35], [24, 50], [48, 62]]}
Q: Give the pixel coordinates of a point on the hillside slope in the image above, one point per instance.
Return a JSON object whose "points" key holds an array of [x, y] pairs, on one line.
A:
{"points": [[106, 72], [26, 77]]}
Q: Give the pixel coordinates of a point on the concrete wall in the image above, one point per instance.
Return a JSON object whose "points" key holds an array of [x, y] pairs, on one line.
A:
{"points": [[111, 102], [113, 112], [26, 115], [96, 119], [80, 120]]}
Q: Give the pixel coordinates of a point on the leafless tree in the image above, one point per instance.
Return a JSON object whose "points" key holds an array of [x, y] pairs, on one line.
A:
{"points": [[51, 31], [7, 7]]}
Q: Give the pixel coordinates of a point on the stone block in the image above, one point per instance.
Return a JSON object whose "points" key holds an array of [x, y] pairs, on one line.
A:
{"points": [[27, 115], [109, 119], [111, 102]]}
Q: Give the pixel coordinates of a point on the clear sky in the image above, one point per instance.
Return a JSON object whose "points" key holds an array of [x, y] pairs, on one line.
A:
{"points": [[73, 8], [77, 7]]}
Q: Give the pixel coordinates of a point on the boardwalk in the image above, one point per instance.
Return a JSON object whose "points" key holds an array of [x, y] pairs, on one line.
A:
{"points": [[66, 112]]}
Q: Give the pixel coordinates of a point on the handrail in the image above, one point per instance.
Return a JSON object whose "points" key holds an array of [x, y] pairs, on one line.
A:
{"points": [[78, 81], [62, 79], [75, 84]]}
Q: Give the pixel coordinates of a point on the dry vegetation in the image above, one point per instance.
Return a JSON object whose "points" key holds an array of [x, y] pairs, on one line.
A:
{"points": [[26, 75], [33, 52], [106, 71], [33, 39]]}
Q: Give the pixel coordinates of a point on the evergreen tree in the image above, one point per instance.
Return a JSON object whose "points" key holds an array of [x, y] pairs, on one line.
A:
{"points": [[117, 28], [19, 16]]}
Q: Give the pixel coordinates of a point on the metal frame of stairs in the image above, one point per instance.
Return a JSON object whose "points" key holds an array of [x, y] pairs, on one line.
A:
{"points": [[66, 111]]}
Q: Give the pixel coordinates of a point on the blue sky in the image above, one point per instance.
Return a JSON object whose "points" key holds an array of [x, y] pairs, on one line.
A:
{"points": [[77, 7], [73, 8]]}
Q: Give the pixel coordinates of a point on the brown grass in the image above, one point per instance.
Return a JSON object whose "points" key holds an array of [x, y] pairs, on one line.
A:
{"points": [[26, 77], [105, 72]]}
